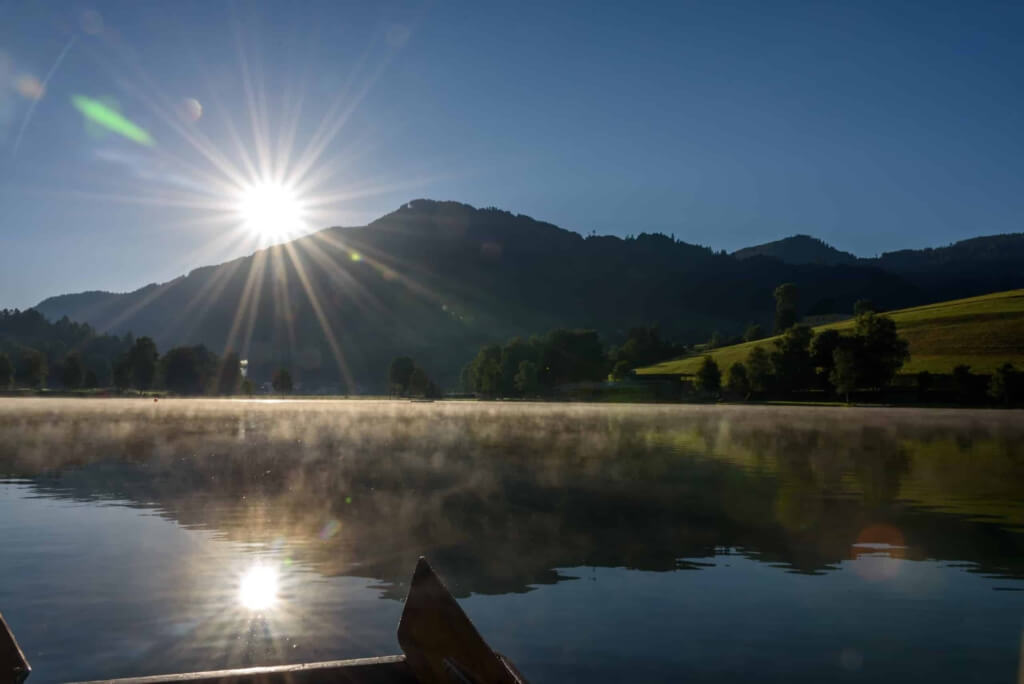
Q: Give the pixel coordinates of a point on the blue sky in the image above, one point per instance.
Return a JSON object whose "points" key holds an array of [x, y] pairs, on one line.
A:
{"points": [[874, 126]]}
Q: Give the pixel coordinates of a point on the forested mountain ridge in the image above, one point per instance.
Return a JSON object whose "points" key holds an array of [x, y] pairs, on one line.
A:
{"points": [[798, 249], [435, 280], [992, 249], [805, 249]]}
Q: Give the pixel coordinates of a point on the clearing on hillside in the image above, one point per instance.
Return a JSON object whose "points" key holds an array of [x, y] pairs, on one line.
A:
{"points": [[983, 332]]}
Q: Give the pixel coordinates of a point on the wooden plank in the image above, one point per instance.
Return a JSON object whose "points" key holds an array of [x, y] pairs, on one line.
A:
{"points": [[441, 644], [14, 666], [384, 670]]}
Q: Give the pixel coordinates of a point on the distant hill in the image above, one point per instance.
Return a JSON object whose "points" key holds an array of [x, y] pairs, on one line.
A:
{"points": [[799, 249], [983, 332], [435, 280]]}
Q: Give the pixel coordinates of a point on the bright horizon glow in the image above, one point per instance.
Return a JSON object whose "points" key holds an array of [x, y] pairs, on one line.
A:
{"points": [[271, 212], [258, 588]]}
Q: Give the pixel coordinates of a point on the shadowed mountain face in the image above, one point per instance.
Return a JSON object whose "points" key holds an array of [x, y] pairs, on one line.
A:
{"points": [[435, 280]]}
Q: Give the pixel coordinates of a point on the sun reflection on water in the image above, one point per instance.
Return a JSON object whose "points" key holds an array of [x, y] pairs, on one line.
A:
{"points": [[258, 588]]}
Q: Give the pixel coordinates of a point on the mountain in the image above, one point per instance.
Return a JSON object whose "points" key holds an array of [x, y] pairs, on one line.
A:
{"points": [[799, 249], [997, 250], [435, 280]]}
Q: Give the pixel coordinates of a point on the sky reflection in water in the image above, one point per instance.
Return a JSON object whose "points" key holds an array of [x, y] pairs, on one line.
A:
{"points": [[599, 542]]}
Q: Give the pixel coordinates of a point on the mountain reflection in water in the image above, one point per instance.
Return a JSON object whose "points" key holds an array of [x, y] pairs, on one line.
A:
{"points": [[505, 498]]}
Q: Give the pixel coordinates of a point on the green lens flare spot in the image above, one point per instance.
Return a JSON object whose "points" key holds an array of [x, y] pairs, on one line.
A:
{"points": [[107, 117]]}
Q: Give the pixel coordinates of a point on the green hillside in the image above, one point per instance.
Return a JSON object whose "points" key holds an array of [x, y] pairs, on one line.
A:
{"points": [[983, 332]]}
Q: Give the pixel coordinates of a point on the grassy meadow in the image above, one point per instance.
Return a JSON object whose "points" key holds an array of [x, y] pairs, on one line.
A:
{"points": [[983, 332]]}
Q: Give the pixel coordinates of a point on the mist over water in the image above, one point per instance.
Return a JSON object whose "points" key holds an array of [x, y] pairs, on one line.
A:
{"points": [[596, 542]]}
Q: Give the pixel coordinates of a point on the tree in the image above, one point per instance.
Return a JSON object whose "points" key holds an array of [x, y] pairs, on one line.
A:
{"points": [[487, 371], [644, 346], [400, 373], [282, 381], [785, 307], [882, 351], [924, 383], [963, 382], [716, 340], [621, 370], [183, 371], [71, 373], [142, 358], [513, 354], [823, 346], [466, 380], [91, 380], [863, 306], [419, 382], [190, 370], [843, 375], [753, 332], [247, 387], [572, 356], [526, 378], [433, 391], [1002, 385], [759, 369], [709, 377], [791, 360], [122, 372], [31, 370], [6, 371], [229, 374], [738, 382]]}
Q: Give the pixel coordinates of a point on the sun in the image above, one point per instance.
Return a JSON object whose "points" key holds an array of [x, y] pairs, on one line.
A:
{"points": [[258, 588], [271, 212]]}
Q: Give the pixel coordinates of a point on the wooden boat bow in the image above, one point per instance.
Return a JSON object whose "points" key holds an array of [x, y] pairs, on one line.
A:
{"points": [[14, 667], [441, 645]]}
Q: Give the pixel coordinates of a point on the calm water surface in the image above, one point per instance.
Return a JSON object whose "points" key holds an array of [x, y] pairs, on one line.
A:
{"points": [[597, 543]]}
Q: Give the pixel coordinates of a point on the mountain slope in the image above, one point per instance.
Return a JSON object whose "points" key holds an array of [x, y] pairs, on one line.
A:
{"points": [[991, 249], [435, 280], [983, 332], [798, 249]]}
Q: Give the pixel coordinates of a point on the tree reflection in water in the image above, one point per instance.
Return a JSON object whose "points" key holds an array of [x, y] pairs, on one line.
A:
{"points": [[502, 495]]}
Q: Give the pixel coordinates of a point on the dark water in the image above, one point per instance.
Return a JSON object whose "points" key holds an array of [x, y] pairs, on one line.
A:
{"points": [[596, 543]]}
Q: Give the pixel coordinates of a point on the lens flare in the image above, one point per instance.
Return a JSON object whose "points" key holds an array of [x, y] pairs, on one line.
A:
{"points": [[258, 588], [109, 118]]}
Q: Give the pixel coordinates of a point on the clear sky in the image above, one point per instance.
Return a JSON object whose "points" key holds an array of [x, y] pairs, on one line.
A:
{"points": [[129, 131]]}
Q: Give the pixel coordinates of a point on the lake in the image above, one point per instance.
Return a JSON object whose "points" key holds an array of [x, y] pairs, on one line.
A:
{"points": [[600, 543]]}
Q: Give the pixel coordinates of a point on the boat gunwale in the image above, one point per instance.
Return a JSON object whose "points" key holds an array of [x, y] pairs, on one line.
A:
{"points": [[377, 669]]}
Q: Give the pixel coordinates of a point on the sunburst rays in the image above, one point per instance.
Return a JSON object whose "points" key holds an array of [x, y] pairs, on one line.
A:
{"points": [[224, 186]]}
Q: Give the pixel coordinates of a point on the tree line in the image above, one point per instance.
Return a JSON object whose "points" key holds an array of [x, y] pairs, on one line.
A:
{"points": [[189, 370], [868, 358], [537, 366], [36, 354], [406, 379]]}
